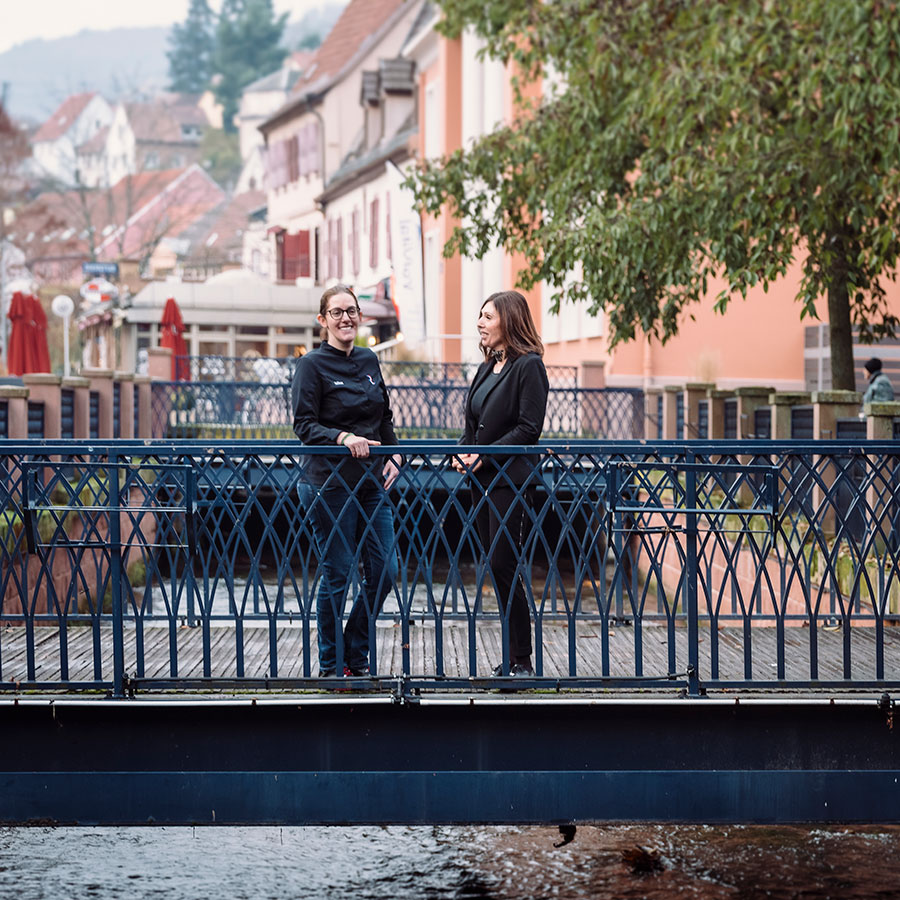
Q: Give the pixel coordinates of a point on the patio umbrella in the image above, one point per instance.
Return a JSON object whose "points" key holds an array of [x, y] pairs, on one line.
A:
{"points": [[39, 336], [17, 348], [172, 336]]}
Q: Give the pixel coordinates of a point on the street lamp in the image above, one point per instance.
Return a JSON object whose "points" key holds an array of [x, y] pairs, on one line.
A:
{"points": [[63, 307]]}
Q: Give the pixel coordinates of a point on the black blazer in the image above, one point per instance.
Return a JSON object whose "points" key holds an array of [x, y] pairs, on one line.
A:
{"points": [[513, 413]]}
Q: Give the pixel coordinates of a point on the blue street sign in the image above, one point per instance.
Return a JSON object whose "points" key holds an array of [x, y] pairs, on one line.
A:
{"points": [[100, 268]]}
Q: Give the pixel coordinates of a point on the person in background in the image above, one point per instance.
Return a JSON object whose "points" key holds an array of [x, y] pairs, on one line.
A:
{"points": [[339, 399], [506, 405], [880, 389]]}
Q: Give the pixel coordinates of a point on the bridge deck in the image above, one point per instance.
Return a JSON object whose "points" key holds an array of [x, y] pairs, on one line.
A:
{"points": [[554, 642]]}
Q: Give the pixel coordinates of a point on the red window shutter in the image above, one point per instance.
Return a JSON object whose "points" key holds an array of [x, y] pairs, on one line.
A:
{"points": [[303, 266], [373, 234]]}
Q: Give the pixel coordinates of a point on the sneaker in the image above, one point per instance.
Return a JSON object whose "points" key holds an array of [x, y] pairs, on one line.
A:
{"points": [[327, 673], [362, 672], [497, 671], [521, 670]]}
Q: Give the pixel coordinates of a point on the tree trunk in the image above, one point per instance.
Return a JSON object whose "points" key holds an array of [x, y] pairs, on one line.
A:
{"points": [[841, 334]]}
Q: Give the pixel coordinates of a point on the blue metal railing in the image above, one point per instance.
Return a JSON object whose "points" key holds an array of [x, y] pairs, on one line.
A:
{"points": [[67, 413], [246, 409], [35, 420], [636, 557], [276, 370]]}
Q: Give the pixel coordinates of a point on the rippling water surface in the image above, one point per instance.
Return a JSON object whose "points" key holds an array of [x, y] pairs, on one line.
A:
{"points": [[370, 863]]}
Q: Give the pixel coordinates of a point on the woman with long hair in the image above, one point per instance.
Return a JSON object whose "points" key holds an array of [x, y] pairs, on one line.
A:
{"points": [[506, 405]]}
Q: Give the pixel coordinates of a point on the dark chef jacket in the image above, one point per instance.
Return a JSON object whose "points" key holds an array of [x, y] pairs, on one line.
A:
{"points": [[512, 413], [333, 392]]}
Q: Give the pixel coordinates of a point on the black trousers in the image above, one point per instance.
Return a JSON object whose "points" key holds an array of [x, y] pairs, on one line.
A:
{"points": [[503, 517]]}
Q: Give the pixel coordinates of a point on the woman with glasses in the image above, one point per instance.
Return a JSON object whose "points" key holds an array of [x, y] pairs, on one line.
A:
{"points": [[506, 405], [339, 399]]}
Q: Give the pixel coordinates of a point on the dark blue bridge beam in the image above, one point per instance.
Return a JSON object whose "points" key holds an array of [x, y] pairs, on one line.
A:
{"points": [[495, 759]]}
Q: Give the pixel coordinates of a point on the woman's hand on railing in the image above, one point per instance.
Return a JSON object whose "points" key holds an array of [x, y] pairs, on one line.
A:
{"points": [[358, 446], [391, 470], [466, 462]]}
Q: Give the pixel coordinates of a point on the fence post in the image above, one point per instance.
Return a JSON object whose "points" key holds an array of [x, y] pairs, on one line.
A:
{"points": [[671, 395], [695, 394], [126, 404], [749, 400], [44, 388], [102, 386], [653, 424], [142, 401], [116, 571], [16, 399], [81, 405], [716, 399], [782, 402]]}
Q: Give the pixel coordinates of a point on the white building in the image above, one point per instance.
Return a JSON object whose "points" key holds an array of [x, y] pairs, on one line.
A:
{"points": [[74, 124]]}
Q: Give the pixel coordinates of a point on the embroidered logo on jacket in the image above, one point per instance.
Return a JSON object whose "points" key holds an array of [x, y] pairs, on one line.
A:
{"points": [[338, 383]]}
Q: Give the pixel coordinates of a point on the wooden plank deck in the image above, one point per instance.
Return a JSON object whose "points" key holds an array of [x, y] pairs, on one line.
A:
{"points": [[80, 642]]}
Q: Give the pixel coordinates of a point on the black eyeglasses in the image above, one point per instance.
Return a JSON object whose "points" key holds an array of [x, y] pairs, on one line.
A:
{"points": [[337, 313]]}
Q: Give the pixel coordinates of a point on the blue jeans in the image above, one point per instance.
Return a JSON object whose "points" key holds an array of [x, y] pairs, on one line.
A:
{"points": [[349, 528]]}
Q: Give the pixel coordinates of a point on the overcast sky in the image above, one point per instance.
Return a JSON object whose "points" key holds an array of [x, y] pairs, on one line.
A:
{"points": [[23, 20]]}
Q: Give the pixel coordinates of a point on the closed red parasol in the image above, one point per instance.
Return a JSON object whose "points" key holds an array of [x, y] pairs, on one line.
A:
{"points": [[27, 349], [39, 336], [172, 336]]}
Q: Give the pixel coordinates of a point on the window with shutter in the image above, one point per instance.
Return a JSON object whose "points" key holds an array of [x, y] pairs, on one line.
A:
{"points": [[373, 234], [303, 263], [354, 243]]}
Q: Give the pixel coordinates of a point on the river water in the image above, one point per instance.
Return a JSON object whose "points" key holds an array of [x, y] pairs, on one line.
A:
{"points": [[401, 863]]}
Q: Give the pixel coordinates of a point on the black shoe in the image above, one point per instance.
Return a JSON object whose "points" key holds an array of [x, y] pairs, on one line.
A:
{"points": [[327, 673], [497, 671], [362, 672], [521, 670]]}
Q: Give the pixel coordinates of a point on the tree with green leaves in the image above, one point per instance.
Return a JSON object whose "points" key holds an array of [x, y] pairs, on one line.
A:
{"points": [[684, 141], [248, 37], [191, 50]]}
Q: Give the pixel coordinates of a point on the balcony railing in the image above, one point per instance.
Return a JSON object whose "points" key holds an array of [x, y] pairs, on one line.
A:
{"points": [[694, 566]]}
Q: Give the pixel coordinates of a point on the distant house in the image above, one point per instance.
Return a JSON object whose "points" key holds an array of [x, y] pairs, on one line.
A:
{"points": [[92, 165], [210, 245], [258, 101], [146, 137], [55, 144], [311, 136]]}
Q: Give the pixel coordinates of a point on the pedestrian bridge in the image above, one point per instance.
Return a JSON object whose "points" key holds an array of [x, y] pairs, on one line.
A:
{"points": [[714, 630]]}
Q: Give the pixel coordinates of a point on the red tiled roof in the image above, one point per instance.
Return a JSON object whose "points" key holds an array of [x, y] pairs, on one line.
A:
{"points": [[161, 123], [154, 204], [227, 226], [64, 117], [359, 20]]}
